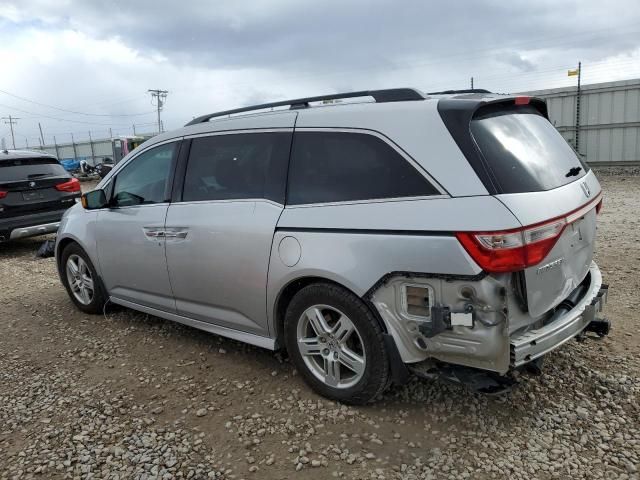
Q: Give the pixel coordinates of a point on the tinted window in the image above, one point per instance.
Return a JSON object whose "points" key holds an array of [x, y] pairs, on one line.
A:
{"points": [[144, 179], [235, 166], [30, 168], [340, 166], [524, 151]]}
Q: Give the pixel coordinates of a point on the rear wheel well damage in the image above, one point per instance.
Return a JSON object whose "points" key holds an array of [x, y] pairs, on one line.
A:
{"points": [[293, 287], [399, 371]]}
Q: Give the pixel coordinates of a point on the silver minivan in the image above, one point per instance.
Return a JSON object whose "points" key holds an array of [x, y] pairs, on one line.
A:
{"points": [[371, 234]]}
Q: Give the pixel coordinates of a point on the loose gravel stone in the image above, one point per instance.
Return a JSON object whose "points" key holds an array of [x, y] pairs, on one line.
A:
{"points": [[125, 395]]}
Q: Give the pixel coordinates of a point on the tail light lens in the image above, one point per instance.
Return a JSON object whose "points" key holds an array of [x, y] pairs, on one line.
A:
{"points": [[72, 185], [513, 250], [3, 193]]}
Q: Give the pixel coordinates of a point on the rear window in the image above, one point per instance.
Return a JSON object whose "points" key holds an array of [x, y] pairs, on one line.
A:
{"points": [[340, 166], [30, 168], [524, 151]]}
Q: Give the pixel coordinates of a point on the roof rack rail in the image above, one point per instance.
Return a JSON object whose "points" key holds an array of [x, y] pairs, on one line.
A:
{"points": [[380, 96], [468, 90]]}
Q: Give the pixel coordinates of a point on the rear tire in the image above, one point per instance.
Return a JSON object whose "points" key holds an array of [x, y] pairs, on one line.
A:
{"points": [[336, 344], [81, 280]]}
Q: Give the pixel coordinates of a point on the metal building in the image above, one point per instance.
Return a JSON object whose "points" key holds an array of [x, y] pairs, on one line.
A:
{"points": [[609, 132]]}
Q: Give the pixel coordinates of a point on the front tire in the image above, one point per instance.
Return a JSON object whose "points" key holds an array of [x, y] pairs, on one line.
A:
{"points": [[81, 280], [336, 344]]}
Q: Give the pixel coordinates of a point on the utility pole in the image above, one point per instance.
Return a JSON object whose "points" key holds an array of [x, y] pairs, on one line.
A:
{"points": [[41, 135], [11, 122], [578, 109], [471, 83], [55, 142], [75, 152], [134, 129], [93, 153], [160, 96]]}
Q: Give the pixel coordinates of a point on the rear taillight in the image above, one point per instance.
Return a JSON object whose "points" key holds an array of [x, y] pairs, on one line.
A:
{"points": [[517, 249], [72, 185], [3, 193]]}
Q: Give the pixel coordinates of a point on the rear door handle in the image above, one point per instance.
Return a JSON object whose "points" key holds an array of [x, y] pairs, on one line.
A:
{"points": [[176, 232], [182, 234]]}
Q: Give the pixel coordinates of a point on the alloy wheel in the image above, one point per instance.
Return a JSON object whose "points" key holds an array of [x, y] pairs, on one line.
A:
{"points": [[80, 279], [331, 346]]}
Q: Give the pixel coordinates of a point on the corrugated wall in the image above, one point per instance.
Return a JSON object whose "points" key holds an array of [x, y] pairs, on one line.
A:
{"points": [[609, 120]]}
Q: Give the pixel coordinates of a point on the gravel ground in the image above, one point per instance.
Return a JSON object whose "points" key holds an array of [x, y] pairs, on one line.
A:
{"points": [[126, 395]]}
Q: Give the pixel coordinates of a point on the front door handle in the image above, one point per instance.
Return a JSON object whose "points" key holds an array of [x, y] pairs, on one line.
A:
{"points": [[154, 232]]}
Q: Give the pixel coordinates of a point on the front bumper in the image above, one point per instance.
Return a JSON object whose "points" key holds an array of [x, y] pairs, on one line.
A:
{"points": [[535, 343]]}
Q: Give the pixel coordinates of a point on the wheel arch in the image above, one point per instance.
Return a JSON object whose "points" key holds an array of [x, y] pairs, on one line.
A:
{"points": [[64, 242], [288, 291]]}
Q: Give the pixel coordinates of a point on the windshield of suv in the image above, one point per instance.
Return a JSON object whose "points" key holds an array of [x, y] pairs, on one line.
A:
{"points": [[30, 168], [524, 151]]}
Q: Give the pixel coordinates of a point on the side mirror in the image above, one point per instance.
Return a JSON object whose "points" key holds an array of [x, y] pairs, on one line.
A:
{"points": [[94, 200]]}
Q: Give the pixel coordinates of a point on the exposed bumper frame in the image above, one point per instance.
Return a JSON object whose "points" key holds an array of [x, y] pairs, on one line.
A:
{"points": [[535, 343]]}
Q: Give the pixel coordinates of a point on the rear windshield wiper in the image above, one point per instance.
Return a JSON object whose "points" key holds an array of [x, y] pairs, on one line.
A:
{"points": [[573, 172]]}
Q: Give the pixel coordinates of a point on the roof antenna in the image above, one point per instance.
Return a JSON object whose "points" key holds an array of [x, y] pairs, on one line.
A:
{"points": [[4, 146]]}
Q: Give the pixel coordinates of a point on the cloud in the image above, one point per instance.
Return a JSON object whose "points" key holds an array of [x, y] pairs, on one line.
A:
{"points": [[217, 55]]}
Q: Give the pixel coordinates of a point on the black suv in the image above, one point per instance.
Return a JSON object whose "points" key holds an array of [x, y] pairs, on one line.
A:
{"points": [[35, 190]]}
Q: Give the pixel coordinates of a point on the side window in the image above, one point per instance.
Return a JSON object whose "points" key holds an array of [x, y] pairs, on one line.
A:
{"points": [[342, 166], [236, 166], [144, 179]]}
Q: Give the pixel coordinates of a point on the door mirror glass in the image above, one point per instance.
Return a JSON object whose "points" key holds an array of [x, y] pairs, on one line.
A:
{"points": [[94, 200]]}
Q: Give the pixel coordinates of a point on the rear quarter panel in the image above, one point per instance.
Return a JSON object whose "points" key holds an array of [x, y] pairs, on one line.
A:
{"points": [[355, 245]]}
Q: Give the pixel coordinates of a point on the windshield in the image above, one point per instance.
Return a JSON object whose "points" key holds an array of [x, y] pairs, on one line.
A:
{"points": [[30, 168], [524, 151]]}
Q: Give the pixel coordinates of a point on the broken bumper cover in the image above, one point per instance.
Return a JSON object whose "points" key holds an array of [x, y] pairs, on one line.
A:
{"points": [[535, 343]]}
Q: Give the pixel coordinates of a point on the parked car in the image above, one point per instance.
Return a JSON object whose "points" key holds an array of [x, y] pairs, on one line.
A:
{"points": [[450, 235], [35, 190]]}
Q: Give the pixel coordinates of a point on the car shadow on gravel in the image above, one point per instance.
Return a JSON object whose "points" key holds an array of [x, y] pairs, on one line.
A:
{"points": [[25, 247]]}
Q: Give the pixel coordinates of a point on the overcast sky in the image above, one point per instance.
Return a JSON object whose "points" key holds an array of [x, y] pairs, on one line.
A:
{"points": [[98, 58]]}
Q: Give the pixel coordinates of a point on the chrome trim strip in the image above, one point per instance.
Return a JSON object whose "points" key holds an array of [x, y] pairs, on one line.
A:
{"points": [[236, 132], [257, 340], [230, 200], [582, 211], [34, 230], [535, 343], [372, 200]]}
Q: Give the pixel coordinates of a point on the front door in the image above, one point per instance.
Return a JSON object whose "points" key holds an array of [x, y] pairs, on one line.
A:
{"points": [[219, 235], [130, 234]]}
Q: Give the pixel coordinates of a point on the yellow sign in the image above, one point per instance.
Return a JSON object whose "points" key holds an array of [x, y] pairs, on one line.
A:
{"points": [[572, 73]]}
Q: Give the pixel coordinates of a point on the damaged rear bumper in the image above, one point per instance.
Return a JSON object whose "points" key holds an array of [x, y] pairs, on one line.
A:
{"points": [[535, 343]]}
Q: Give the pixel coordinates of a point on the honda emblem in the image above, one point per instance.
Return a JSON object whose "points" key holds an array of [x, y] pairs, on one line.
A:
{"points": [[585, 189]]}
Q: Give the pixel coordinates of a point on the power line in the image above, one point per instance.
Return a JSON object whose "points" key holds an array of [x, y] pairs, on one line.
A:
{"points": [[37, 115], [74, 111]]}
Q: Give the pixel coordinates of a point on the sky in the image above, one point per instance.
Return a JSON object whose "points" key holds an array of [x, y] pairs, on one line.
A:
{"points": [[80, 66]]}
